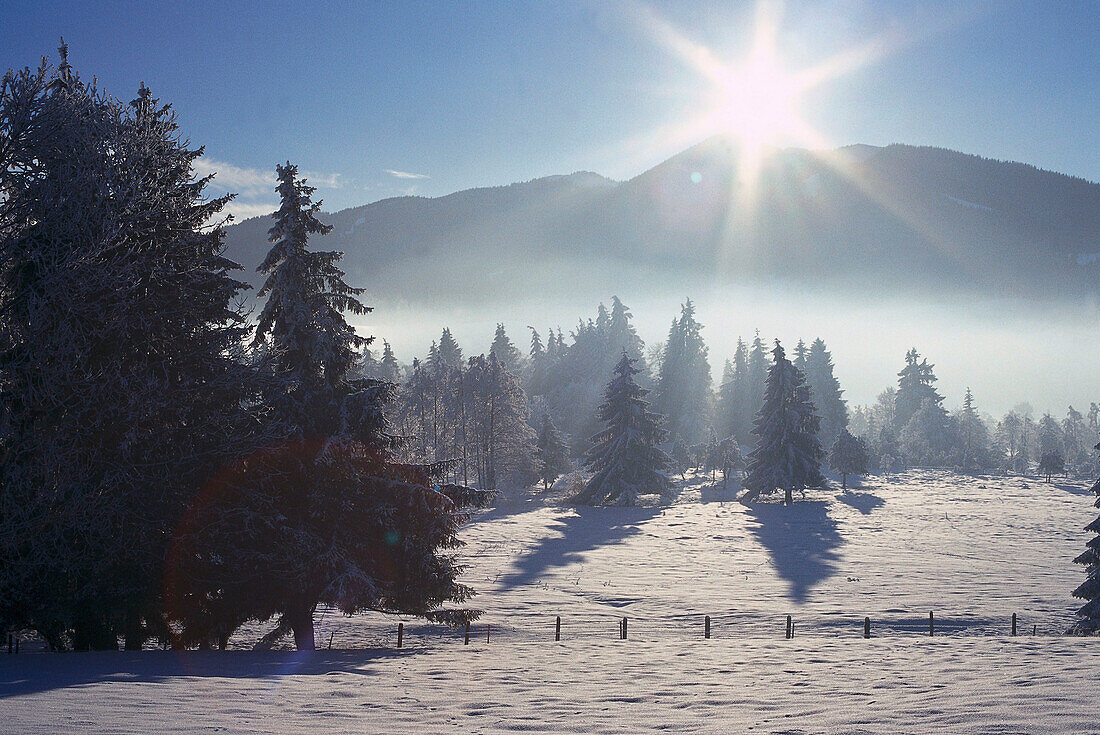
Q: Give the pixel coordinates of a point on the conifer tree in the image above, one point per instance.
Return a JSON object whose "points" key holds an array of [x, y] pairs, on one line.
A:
{"points": [[683, 393], [327, 516], [1089, 614], [506, 352], [916, 385], [120, 392], [625, 458], [389, 369], [553, 452], [787, 455], [973, 436], [826, 392], [848, 456]]}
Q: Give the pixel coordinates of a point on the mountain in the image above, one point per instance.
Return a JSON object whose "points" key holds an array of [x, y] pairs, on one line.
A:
{"points": [[891, 219]]}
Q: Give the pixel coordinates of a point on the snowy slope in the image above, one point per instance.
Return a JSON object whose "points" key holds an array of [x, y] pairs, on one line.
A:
{"points": [[974, 550]]}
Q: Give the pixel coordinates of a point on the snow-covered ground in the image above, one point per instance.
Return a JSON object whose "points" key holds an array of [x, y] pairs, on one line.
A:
{"points": [[972, 549]]}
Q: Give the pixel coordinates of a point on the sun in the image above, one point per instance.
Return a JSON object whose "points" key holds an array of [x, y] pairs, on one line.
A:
{"points": [[757, 102]]}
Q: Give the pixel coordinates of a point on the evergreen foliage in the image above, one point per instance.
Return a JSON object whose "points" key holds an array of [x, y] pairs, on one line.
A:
{"points": [[848, 456], [625, 459], [683, 393], [787, 455], [119, 392], [1089, 590], [553, 452]]}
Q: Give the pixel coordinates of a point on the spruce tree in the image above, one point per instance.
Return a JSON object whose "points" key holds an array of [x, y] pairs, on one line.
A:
{"points": [[506, 352], [973, 437], [1089, 590], [848, 456], [787, 454], [121, 396], [553, 452], [625, 459], [826, 392], [916, 385], [683, 393], [326, 516], [389, 369]]}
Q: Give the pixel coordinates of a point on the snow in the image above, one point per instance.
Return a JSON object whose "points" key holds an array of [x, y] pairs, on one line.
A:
{"points": [[968, 205], [972, 549]]}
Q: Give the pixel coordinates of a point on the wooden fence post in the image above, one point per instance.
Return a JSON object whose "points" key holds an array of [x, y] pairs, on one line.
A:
{"points": [[400, 633], [790, 628], [331, 633], [624, 628], [867, 627], [557, 629], [1013, 623], [931, 624], [488, 628], [706, 626], [1033, 629], [466, 641]]}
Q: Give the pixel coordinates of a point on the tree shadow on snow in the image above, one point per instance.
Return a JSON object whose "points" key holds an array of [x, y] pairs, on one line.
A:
{"points": [[801, 539], [39, 672], [589, 528], [863, 502]]}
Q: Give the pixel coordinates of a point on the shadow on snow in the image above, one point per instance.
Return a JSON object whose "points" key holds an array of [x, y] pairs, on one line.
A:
{"points": [[586, 529], [801, 540], [38, 672], [863, 502]]}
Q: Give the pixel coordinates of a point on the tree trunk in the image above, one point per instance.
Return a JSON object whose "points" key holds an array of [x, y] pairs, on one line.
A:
{"points": [[788, 496], [301, 622], [844, 480]]}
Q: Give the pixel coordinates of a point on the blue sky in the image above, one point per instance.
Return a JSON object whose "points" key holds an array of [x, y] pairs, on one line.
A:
{"points": [[380, 99]]}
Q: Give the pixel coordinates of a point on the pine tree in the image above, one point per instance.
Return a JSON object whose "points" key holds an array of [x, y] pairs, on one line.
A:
{"points": [[553, 452], [683, 393], [973, 437], [787, 455], [625, 458], [1089, 590], [848, 456], [450, 354]]}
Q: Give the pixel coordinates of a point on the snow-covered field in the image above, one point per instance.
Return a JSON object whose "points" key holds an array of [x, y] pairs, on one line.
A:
{"points": [[972, 549]]}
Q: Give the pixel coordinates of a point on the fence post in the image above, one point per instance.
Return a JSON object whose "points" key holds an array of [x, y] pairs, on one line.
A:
{"points": [[624, 628], [466, 641], [488, 628], [1013, 623], [1033, 629], [790, 628], [931, 624], [867, 627], [331, 633], [557, 629], [706, 626], [400, 633]]}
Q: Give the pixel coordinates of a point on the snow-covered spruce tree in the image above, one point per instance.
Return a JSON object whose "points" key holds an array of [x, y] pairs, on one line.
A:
{"points": [[787, 455], [848, 456], [506, 352], [120, 393], [826, 392], [325, 515], [683, 393], [625, 458], [1089, 590], [553, 452], [974, 450], [916, 385]]}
